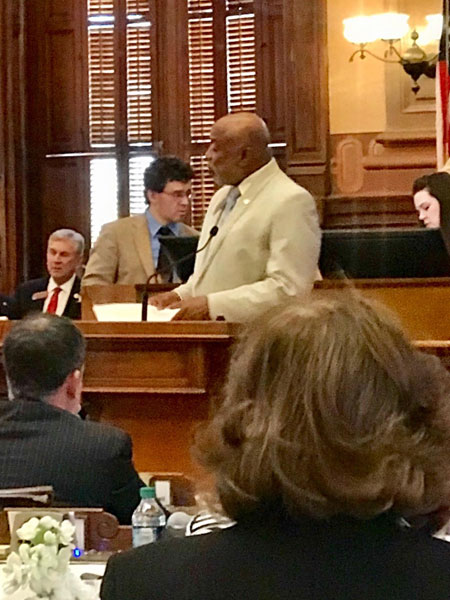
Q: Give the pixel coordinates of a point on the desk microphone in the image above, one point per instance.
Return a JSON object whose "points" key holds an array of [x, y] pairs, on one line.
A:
{"points": [[173, 264]]}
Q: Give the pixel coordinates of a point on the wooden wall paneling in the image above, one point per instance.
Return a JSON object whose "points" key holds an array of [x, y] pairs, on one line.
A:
{"points": [[171, 96], [65, 197], [370, 210], [65, 84], [57, 122], [306, 91], [270, 66], [12, 141]]}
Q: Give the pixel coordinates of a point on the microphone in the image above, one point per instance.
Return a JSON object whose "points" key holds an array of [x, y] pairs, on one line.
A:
{"points": [[173, 264]]}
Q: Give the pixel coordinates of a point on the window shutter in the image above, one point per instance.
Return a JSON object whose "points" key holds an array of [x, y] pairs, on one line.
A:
{"points": [[241, 62], [201, 69], [139, 74], [239, 4], [101, 72], [138, 164], [202, 190], [202, 101]]}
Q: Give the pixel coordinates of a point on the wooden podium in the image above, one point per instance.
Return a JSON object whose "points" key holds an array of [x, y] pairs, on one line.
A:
{"points": [[155, 380]]}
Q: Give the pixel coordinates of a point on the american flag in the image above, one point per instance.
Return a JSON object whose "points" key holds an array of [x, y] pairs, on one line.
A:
{"points": [[443, 93]]}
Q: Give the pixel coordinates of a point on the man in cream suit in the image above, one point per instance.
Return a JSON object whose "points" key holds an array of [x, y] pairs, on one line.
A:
{"points": [[127, 250], [268, 240]]}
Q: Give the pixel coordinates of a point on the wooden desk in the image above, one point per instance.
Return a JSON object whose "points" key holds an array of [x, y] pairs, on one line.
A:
{"points": [[422, 305]]}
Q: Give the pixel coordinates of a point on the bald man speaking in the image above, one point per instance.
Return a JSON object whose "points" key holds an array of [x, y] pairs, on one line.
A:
{"points": [[267, 244]]}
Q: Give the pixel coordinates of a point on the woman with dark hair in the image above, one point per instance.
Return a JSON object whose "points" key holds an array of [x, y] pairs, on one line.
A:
{"points": [[331, 446], [431, 194]]}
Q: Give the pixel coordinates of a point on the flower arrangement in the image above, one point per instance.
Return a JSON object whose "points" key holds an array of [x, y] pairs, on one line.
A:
{"points": [[42, 562]]}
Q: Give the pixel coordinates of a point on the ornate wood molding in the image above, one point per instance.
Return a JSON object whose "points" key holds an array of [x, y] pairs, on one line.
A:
{"points": [[306, 92]]}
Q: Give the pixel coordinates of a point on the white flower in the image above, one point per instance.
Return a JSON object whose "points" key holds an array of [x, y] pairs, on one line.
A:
{"points": [[28, 529], [66, 531], [42, 562], [15, 572], [50, 538], [49, 523], [24, 553]]}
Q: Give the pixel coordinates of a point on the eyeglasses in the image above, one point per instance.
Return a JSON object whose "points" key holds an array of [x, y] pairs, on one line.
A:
{"points": [[178, 195]]}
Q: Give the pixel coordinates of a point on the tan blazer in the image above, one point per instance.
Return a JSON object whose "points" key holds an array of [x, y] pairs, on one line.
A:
{"points": [[122, 253], [266, 251]]}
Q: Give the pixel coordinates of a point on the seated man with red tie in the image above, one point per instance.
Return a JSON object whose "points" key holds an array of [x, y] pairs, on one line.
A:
{"points": [[59, 292]]}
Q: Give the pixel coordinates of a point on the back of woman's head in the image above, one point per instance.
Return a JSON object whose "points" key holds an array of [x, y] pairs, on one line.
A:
{"points": [[329, 410]]}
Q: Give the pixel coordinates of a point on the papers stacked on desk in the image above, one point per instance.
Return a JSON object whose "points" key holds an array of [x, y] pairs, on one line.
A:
{"points": [[131, 311]]}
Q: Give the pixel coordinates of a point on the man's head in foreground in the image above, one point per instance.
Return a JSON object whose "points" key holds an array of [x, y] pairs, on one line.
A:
{"points": [[167, 188], [43, 357], [64, 254]]}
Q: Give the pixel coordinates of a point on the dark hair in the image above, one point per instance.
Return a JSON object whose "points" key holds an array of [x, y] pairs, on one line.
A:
{"points": [[438, 185], [164, 169], [329, 410], [39, 353]]}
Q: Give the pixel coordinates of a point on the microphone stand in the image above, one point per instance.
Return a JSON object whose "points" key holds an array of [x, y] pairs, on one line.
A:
{"points": [[173, 265]]}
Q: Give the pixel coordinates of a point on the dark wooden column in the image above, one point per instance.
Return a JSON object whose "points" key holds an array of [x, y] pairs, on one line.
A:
{"points": [[306, 93], [12, 143], [57, 122], [170, 61]]}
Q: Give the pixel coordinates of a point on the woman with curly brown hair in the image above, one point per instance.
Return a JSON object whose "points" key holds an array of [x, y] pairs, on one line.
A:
{"points": [[331, 447]]}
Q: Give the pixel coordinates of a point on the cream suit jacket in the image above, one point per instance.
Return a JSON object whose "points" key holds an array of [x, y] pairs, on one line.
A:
{"points": [[122, 253], [266, 250]]}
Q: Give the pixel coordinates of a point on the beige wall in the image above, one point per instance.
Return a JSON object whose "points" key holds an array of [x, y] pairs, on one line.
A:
{"points": [[358, 90]]}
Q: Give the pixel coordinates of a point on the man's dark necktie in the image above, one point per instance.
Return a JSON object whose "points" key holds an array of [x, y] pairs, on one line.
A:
{"points": [[164, 263]]}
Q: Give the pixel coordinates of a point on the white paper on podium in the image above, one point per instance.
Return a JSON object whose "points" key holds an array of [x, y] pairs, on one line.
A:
{"points": [[131, 311]]}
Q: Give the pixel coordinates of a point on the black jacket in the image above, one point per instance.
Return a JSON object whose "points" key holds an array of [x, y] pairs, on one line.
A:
{"points": [[22, 303], [339, 559], [88, 464]]}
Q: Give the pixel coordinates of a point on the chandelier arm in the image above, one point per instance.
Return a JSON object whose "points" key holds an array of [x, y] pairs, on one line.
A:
{"points": [[393, 49], [386, 60]]}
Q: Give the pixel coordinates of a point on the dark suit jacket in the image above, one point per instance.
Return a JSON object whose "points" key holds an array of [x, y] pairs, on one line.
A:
{"points": [[88, 464], [22, 303], [340, 559]]}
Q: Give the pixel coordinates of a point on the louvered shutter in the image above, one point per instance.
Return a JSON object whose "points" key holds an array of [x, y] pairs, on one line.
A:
{"points": [[101, 72], [138, 164], [139, 74], [202, 101], [241, 63], [237, 68], [202, 189]]}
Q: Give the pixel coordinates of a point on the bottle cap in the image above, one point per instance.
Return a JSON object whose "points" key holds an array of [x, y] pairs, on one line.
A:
{"points": [[147, 492]]}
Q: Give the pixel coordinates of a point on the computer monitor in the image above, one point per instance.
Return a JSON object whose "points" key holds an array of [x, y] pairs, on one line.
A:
{"points": [[388, 253], [181, 250]]}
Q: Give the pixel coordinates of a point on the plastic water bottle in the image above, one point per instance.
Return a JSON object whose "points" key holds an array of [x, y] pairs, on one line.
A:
{"points": [[148, 520]]}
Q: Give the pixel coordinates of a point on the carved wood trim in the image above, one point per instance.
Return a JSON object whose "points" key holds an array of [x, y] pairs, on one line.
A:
{"points": [[306, 87]]}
